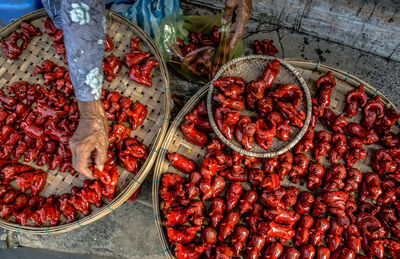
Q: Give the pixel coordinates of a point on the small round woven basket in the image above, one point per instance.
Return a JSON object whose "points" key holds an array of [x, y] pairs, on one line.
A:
{"points": [[175, 140], [251, 68], [151, 132]]}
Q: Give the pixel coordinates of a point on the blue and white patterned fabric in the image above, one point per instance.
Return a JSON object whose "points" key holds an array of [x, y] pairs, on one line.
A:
{"points": [[145, 13], [84, 25]]}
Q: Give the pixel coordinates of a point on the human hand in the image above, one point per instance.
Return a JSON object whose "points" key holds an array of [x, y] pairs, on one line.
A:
{"points": [[91, 134], [243, 10]]}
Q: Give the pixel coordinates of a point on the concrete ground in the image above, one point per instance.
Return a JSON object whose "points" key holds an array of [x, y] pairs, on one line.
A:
{"points": [[129, 231]]}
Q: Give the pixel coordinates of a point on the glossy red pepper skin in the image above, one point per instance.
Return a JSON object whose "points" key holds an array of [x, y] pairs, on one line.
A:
{"points": [[274, 230], [306, 143], [384, 125], [218, 207], [255, 247], [34, 180], [233, 195], [282, 216], [226, 120], [10, 47], [111, 66], [332, 121], [199, 117], [270, 72], [353, 180], [334, 177], [232, 87], [239, 239], [194, 136], [212, 190], [142, 74], [291, 253], [247, 201], [265, 106], [182, 235], [232, 103], [181, 162], [66, 208], [236, 173], [288, 92], [367, 137], [109, 45], [209, 167], [283, 129], [190, 251], [289, 112], [355, 100], [322, 144], [304, 202], [303, 230], [373, 110], [285, 164], [245, 131], [265, 134], [270, 164], [300, 166], [273, 199], [228, 225], [325, 84], [192, 188], [265, 47], [49, 27], [318, 233]]}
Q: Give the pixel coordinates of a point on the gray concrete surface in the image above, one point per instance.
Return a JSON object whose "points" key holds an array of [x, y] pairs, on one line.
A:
{"points": [[35, 253], [371, 26], [130, 232]]}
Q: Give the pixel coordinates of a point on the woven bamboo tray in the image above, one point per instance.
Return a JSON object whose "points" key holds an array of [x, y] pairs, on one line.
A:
{"points": [[151, 132], [251, 68], [175, 141]]}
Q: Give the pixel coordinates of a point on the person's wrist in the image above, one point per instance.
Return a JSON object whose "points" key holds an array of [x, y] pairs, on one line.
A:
{"points": [[91, 109]]}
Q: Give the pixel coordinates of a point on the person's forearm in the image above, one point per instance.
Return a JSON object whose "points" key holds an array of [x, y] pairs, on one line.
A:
{"points": [[83, 22]]}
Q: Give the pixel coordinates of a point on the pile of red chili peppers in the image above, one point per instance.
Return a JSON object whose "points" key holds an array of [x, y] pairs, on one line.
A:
{"points": [[232, 206], [31, 209], [137, 60], [277, 109], [36, 124], [18, 41], [198, 40], [265, 47]]}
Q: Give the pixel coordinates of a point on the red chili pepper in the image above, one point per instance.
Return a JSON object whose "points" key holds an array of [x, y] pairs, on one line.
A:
{"points": [[194, 136], [135, 57], [142, 74], [109, 45], [111, 66]]}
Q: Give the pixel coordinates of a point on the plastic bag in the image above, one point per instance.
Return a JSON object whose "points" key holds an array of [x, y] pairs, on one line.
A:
{"points": [[196, 46]]}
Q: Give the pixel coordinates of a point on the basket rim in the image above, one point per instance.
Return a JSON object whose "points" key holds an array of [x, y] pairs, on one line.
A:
{"points": [[267, 154], [136, 182], [161, 158]]}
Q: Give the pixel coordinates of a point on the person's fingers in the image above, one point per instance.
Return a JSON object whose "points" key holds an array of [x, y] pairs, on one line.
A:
{"points": [[82, 152], [240, 26], [101, 153], [230, 6]]}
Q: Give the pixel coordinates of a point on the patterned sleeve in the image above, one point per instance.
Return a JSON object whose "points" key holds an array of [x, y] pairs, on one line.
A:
{"points": [[84, 25]]}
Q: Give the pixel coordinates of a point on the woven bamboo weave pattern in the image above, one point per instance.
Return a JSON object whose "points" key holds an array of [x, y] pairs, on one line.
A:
{"points": [[311, 72], [251, 68], [150, 133]]}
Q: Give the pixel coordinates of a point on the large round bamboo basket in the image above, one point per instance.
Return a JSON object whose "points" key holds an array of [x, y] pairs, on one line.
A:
{"points": [[251, 68], [151, 133], [175, 141]]}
